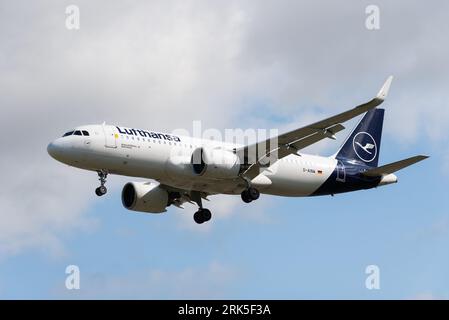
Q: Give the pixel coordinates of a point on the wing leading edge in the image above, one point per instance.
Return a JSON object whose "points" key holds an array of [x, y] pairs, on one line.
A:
{"points": [[297, 139]]}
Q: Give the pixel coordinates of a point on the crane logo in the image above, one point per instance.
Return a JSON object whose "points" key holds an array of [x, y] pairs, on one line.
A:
{"points": [[365, 146]]}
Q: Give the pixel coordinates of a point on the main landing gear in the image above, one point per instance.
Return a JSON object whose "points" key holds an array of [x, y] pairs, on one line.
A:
{"points": [[250, 194], [203, 214], [101, 190]]}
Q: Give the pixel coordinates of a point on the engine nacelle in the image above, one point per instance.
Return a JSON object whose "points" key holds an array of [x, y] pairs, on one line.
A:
{"points": [[215, 163], [144, 197]]}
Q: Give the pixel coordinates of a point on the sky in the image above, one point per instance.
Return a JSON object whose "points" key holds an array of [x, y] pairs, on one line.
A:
{"points": [[162, 65]]}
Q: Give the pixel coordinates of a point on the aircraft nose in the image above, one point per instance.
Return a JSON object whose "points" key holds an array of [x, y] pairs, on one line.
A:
{"points": [[51, 149], [54, 149]]}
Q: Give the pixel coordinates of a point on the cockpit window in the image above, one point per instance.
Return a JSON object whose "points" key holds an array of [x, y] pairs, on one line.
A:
{"points": [[68, 134], [77, 133], [85, 133]]}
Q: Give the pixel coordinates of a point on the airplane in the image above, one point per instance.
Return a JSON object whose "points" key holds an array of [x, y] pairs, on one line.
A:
{"points": [[186, 169]]}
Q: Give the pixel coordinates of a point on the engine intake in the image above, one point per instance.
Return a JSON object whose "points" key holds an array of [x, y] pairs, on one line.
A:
{"points": [[145, 197], [215, 163]]}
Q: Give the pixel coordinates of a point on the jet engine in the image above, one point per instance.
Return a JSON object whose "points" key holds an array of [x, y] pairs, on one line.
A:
{"points": [[215, 163], [145, 197]]}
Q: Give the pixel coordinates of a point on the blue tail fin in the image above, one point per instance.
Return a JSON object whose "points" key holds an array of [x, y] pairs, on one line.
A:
{"points": [[363, 144]]}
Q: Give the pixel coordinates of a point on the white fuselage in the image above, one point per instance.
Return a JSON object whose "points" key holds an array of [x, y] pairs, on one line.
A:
{"points": [[160, 157]]}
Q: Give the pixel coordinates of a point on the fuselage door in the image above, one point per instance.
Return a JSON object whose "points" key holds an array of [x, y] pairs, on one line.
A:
{"points": [[109, 136], [341, 172]]}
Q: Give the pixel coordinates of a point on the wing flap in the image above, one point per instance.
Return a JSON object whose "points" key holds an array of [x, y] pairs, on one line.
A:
{"points": [[292, 148], [295, 140]]}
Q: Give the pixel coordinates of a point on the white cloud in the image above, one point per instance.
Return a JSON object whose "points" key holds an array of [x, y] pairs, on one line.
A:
{"points": [[162, 64], [225, 207], [426, 295], [437, 228], [210, 281], [37, 203], [153, 70], [446, 164]]}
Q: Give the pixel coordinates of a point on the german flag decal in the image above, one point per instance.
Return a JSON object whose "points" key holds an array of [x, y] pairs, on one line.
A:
{"points": [[320, 171]]}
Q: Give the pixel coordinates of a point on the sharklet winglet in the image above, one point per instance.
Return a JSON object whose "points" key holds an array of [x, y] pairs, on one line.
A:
{"points": [[385, 88]]}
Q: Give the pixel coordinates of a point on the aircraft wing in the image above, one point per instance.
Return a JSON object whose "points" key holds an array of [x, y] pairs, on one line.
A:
{"points": [[256, 155], [393, 167]]}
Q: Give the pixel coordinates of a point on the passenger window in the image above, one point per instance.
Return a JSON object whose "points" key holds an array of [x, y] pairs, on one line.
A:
{"points": [[77, 133], [68, 134], [85, 133]]}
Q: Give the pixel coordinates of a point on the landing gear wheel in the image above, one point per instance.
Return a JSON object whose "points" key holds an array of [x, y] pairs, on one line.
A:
{"points": [[246, 197], [100, 191], [250, 194], [198, 217], [253, 193], [207, 215], [202, 215]]}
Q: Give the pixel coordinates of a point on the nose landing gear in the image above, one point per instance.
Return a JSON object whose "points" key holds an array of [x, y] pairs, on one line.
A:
{"points": [[102, 190]]}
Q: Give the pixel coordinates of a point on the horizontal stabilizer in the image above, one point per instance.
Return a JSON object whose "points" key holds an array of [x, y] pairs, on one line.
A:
{"points": [[393, 167]]}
